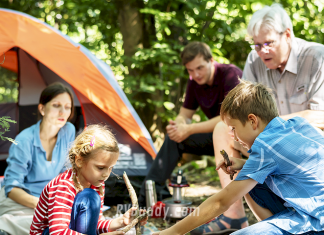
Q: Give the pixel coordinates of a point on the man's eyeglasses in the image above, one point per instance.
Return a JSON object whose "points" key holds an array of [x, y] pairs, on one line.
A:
{"points": [[266, 45]]}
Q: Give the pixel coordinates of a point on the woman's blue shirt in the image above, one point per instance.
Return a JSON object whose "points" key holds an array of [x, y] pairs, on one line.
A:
{"points": [[28, 168]]}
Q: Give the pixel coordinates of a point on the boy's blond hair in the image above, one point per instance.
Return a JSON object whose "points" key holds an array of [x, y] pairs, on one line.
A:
{"points": [[249, 98], [93, 138]]}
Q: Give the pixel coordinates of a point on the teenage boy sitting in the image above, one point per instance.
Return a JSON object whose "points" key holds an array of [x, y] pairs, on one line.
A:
{"points": [[283, 179]]}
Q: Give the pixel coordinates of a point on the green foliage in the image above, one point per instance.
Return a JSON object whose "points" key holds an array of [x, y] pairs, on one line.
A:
{"points": [[152, 77], [195, 165], [4, 123], [8, 86], [8, 94]]}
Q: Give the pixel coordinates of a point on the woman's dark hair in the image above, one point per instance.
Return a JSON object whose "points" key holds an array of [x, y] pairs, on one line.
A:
{"points": [[52, 91]]}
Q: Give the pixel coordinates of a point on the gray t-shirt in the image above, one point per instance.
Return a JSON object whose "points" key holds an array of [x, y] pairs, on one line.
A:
{"points": [[301, 85]]}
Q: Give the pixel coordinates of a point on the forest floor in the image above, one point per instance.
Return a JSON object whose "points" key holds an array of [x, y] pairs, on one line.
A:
{"points": [[204, 182]]}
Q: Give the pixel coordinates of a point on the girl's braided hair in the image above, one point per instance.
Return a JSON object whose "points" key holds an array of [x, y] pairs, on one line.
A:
{"points": [[92, 138]]}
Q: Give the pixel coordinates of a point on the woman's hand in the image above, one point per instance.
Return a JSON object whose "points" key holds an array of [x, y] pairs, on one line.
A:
{"points": [[237, 164]]}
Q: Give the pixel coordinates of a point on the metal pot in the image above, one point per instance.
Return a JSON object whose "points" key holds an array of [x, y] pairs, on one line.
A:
{"points": [[176, 210]]}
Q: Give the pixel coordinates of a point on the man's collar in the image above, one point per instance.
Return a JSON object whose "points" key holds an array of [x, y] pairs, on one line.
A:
{"points": [[291, 65]]}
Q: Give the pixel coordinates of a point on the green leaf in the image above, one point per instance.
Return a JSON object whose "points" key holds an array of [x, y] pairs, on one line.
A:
{"points": [[168, 105]]}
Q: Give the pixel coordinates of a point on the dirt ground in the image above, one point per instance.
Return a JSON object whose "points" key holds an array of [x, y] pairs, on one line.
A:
{"points": [[204, 182], [161, 223]]}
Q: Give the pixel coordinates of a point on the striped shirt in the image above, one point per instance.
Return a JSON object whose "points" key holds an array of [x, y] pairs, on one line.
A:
{"points": [[55, 206], [301, 85], [289, 157]]}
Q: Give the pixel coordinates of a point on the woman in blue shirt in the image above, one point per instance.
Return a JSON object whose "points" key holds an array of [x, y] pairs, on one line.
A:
{"points": [[39, 156]]}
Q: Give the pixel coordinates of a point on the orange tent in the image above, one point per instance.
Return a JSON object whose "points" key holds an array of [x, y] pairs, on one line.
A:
{"points": [[41, 55]]}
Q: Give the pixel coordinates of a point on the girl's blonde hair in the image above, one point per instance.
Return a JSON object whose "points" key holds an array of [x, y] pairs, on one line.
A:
{"points": [[92, 138]]}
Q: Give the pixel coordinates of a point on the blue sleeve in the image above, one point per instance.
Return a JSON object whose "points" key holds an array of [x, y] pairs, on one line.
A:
{"points": [[71, 132], [19, 165], [258, 166], [70, 135]]}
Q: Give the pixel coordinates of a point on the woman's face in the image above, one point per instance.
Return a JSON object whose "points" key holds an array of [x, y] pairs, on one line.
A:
{"points": [[57, 111]]}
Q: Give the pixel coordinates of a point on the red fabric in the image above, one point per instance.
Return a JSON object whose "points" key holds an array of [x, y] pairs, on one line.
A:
{"points": [[55, 206]]}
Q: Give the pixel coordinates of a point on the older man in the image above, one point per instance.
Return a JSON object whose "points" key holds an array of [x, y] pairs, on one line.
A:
{"points": [[292, 67]]}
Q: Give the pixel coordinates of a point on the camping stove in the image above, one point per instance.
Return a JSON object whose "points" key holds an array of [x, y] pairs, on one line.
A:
{"points": [[177, 207]]}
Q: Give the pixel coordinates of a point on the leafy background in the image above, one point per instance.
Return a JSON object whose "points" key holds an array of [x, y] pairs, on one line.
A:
{"points": [[141, 40]]}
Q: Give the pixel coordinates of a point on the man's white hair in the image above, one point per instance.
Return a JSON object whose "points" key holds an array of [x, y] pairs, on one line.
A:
{"points": [[274, 17]]}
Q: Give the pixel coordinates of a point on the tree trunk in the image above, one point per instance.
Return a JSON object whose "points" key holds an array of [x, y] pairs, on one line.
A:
{"points": [[131, 27], [138, 34]]}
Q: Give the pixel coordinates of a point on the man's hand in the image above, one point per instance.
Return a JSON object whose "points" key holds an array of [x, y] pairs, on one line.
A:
{"points": [[177, 132], [237, 164]]}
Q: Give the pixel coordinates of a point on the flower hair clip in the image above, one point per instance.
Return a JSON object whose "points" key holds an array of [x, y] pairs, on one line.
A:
{"points": [[92, 141]]}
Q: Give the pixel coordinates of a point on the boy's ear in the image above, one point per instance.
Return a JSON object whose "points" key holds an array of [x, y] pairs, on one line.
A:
{"points": [[253, 120]]}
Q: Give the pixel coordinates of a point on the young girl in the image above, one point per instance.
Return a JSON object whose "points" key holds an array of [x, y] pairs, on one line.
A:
{"points": [[71, 203]]}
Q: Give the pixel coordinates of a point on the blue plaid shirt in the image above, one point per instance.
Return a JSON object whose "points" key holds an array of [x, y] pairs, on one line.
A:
{"points": [[289, 157]]}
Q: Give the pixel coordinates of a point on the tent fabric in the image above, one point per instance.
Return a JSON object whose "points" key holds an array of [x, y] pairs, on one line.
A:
{"points": [[10, 57], [32, 82], [41, 55]]}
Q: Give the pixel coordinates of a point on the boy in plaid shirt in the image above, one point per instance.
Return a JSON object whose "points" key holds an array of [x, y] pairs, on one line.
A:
{"points": [[283, 179]]}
